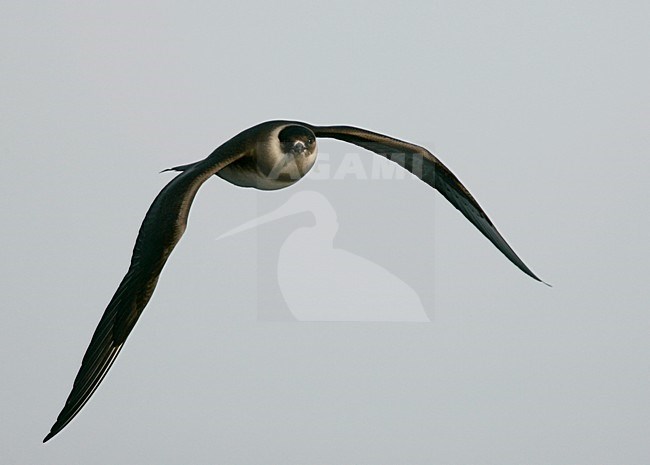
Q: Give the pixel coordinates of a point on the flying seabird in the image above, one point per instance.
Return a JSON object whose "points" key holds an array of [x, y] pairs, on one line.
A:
{"points": [[269, 156]]}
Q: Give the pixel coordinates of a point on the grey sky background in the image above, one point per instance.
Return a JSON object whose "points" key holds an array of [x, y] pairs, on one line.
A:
{"points": [[540, 108]]}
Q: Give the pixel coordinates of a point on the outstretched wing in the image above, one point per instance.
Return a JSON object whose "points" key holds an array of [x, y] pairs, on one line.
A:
{"points": [[162, 228], [429, 169]]}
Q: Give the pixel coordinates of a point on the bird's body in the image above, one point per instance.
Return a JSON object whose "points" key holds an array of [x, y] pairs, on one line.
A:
{"points": [[268, 156], [282, 154]]}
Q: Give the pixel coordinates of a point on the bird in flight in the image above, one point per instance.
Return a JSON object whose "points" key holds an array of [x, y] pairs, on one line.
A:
{"points": [[268, 156]]}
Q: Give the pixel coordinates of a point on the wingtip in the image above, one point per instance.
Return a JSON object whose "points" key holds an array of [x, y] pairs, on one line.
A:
{"points": [[540, 280], [49, 436]]}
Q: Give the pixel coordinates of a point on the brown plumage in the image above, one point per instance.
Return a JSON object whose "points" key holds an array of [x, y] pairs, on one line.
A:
{"points": [[271, 155]]}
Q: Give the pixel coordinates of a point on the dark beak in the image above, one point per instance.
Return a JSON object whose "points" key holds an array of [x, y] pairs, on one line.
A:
{"points": [[298, 147]]}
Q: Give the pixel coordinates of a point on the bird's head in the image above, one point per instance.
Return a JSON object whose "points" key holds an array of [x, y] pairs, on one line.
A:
{"points": [[297, 141], [287, 158]]}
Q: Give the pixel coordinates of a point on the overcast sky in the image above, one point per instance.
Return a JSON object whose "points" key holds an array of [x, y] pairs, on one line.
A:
{"points": [[541, 108]]}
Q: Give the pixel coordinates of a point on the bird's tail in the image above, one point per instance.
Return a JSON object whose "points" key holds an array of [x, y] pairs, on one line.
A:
{"points": [[180, 167]]}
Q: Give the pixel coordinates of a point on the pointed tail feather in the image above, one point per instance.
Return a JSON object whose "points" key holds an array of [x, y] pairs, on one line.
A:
{"points": [[179, 168]]}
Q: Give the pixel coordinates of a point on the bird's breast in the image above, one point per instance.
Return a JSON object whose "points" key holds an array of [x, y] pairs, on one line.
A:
{"points": [[268, 169]]}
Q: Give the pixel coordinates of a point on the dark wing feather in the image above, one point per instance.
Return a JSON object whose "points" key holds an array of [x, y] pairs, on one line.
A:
{"points": [[429, 169], [162, 228]]}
